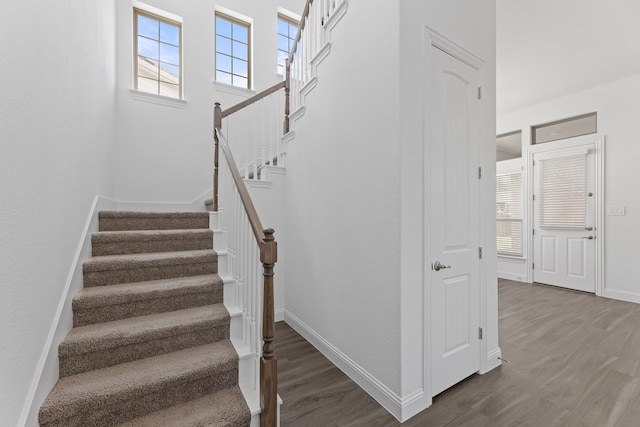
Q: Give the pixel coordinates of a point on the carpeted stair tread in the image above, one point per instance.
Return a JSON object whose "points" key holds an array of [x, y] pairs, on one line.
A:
{"points": [[115, 269], [128, 292], [122, 392], [105, 303], [123, 220], [106, 344], [225, 408], [111, 262], [147, 241]]}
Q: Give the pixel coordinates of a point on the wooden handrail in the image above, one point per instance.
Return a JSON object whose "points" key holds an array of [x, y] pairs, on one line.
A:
{"points": [[305, 14], [254, 98], [249, 208], [268, 257], [264, 238]]}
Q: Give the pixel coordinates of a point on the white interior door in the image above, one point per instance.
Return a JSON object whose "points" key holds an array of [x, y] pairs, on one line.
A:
{"points": [[564, 232], [453, 226]]}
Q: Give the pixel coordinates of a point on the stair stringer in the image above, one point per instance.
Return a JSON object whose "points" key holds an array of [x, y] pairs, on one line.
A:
{"points": [[319, 57], [249, 363]]}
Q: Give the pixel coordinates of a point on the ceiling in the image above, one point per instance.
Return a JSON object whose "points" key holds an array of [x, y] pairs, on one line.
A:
{"points": [[550, 48]]}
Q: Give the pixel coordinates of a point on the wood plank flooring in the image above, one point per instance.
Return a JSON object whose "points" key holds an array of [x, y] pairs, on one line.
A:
{"points": [[574, 361]]}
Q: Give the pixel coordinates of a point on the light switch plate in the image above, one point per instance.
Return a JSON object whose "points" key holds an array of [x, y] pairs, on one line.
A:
{"points": [[616, 210]]}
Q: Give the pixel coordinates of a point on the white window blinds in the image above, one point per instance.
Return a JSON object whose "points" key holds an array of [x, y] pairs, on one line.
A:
{"points": [[563, 192], [509, 214]]}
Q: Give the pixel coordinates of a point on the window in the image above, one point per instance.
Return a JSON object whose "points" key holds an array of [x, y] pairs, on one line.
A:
{"points": [[563, 192], [287, 31], [566, 128], [233, 62], [509, 214], [158, 55], [509, 146]]}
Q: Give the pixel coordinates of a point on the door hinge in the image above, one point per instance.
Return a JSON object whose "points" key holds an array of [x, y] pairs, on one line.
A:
{"points": [[534, 197], [480, 333], [479, 253], [479, 172], [479, 92], [533, 266], [534, 231]]}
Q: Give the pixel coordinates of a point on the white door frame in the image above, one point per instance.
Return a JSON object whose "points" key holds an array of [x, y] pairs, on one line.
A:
{"points": [[599, 141], [434, 39]]}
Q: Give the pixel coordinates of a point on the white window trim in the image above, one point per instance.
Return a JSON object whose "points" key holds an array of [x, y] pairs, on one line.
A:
{"points": [[159, 12], [157, 99]]}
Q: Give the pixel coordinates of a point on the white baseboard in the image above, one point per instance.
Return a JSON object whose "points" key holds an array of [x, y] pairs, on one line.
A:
{"points": [[195, 205], [402, 408], [622, 295], [511, 276], [280, 314], [47, 371]]}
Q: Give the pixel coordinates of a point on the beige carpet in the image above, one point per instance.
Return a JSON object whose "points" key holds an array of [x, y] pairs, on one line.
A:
{"points": [[150, 344]]}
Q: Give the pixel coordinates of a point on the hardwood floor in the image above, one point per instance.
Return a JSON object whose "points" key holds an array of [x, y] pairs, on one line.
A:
{"points": [[574, 360]]}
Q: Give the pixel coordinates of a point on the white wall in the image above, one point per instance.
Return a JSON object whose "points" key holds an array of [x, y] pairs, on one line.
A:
{"points": [[57, 121], [617, 112], [343, 197], [471, 26], [355, 194], [165, 153]]}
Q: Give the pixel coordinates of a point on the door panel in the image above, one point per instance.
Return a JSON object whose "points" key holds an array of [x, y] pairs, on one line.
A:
{"points": [[453, 228], [563, 210]]}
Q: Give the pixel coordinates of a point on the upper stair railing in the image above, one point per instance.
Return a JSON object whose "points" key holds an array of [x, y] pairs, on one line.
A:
{"points": [[311, 45], [256, 129]]}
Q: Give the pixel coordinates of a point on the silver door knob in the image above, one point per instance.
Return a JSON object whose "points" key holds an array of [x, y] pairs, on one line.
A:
{"points": [[589, 237], [437, 266], [588, 228]]}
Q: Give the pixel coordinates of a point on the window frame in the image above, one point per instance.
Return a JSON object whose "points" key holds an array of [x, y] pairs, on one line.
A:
{"points": [[535, 139], [292, 22], [510, 168], [138, 11], [249, 26]]}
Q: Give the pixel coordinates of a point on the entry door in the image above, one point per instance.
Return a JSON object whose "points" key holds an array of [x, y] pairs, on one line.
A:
{"points": [[564, 218], [453, 231]]}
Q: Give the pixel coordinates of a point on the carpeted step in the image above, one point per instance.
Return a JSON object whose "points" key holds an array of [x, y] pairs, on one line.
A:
{"points": [[120, 220], [106, 303], [98, 346], [225, 408], [123, 392], [147, 241], [115, 269]]}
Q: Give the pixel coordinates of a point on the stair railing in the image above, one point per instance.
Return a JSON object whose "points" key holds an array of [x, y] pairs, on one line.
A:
{"points": [[309, 45], [250, 244], [257, 139], [254, 130]]}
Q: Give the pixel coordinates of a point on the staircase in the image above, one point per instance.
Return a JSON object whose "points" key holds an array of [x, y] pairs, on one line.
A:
{"points": [[150, 343]]}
